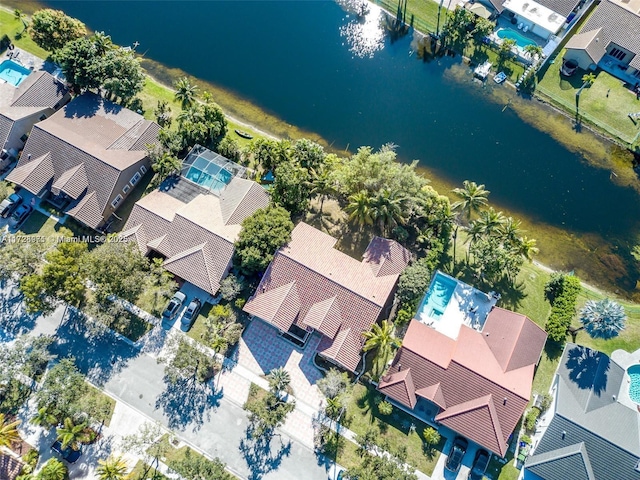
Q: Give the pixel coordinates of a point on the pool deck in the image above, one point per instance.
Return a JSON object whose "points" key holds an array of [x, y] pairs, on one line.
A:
{"points": [[467, 306], [626, 360]]}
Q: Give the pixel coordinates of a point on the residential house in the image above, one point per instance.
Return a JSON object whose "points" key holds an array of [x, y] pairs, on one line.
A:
{"points": [[10, 466], [310, 288], [466, 364], [35, 98], [594, 432], [610, 39], [86, 158], [544, 18], [194, 227]]}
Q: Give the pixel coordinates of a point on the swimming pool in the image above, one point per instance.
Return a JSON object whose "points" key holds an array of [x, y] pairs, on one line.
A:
{"points": [[521, 40], [634, 385], [13, 73], [437, 298]]}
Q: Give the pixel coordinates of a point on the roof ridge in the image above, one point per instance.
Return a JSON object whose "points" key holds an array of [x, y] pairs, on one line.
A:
{"points": [[178, 213], [489, 380]]}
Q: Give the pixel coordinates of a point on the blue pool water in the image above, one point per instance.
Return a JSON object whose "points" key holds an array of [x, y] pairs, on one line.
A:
{"points": [[634, 386], [521, 40], [437, 298], [13, 73]]}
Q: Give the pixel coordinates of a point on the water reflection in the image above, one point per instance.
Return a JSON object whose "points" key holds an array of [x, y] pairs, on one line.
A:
{"points": [[364, 32]]}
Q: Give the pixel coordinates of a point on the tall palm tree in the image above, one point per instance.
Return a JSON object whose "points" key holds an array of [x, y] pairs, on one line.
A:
{"points": [[8, 431], [475, 231], [43, 418], [322, 184], [53, 470], [473, 198], [510, 231], [589, 78], [491, 221], [381, 338], [359, 208], [20, 15], [113, 468], [534, 51], [71, 435], [186, 92], [102, 42], [388, 210], [527, 248], [166, 164], [604, 319], [279, 380]]}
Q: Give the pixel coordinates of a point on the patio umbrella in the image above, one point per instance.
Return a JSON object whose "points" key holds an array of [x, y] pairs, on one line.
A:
{"points": [[479, 10]]}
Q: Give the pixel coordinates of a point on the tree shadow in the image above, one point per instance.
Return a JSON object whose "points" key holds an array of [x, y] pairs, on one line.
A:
{"points": [[188, 402], [588, 368], [14, 319], [553, 350], [261, 455]]}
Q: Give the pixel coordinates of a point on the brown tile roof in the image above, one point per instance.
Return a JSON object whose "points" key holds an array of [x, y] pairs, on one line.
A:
{"points": [[563, 7], [399, 385], [337, 295], [79, 134], [481, 382], [386, 257], [617, 25], [33, 175], [73, 182], [194, 237], [10, 467]]}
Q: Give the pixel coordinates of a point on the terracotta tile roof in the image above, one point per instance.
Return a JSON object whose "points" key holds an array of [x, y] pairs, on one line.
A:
{"points": [[10, 467], [79, 134], [73, 182], [340, 297], [386, 257], [194, 237], [482, 382], [399, 385]]}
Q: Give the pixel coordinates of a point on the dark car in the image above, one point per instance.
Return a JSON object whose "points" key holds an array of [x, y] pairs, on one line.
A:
{"points": [[68, 454], [480, 464], [456, 454], [21, 213], [174, 306], [9, 204], [191, 314]]}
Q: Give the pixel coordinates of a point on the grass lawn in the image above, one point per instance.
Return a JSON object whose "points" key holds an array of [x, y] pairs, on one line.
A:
{"points": [[138, 473], [420, 14], [362, 413], [605, 103], [134, 329], [13, 28], [197, 330]]}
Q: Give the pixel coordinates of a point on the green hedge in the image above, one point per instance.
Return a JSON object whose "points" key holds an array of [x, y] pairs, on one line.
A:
{"points": [[563, 307]]}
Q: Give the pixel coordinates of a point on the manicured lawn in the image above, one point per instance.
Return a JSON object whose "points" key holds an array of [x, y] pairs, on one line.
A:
{"points": [[138, 473], [362, 413], [420, 14], [605, 103], [39, 224], [198, 329], [12, 27]]}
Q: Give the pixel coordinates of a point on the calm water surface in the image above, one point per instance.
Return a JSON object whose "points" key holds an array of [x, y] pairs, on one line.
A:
{"points": [[314, 66]]}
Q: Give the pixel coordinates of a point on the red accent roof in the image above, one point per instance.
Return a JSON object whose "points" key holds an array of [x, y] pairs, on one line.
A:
{"points": [[337, 295], [400, 385], [481, 380]]}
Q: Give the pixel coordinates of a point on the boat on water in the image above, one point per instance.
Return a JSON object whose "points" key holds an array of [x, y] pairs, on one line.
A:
{"points": [[482, 70], [243, 134], [500, 77]]}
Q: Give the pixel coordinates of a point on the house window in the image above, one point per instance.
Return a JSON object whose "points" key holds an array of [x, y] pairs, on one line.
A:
{"points": [[126, 189], [617, 53], [116, 201], [24, 137], [636, 74], [143, 169], [135, 179], [42, 117]]}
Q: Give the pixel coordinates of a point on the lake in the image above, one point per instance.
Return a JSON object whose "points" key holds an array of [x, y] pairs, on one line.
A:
{"points": [[313, 65]]}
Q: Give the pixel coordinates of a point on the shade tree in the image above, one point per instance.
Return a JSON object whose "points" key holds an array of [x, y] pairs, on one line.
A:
{"points": [[52, 29]]}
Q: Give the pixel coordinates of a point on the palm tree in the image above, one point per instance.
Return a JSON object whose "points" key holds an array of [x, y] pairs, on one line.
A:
{"points": [[510, 231], [20, 15], [113, 468], [381, 338], [71, 435], [43, 418], [186, 93], [475, 231], [53, 470], [359, 208], [279, 380], [491, 221], [8, 431], [604, 319], [102, 42], [472, 198], [322, 184], [388, 210], [534, 51], [165, 165], [527, 248], [589, 78]]}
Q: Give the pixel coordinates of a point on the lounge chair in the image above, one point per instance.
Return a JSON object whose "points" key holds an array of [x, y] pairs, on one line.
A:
{"points": [[520, 26], [526, 28]]}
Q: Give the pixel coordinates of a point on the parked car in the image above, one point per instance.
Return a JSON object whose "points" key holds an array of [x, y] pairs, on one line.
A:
{"points": [[174, 306], [68, 454], [479, 466], [191, 314], [21, 213], [456, 454], [9, 204]]}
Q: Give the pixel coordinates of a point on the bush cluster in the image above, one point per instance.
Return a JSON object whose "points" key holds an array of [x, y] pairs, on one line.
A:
{"points": [[563, 305], [530, 419]]}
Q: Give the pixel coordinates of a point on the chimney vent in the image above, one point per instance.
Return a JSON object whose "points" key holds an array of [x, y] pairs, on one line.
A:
{"points": [[504, 401], [564, 434]]}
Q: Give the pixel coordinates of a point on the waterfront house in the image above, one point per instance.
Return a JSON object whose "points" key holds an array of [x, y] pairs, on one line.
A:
{"points": [[36, 96], [466, 364], [610, 40], [193, 220], [310, 288], [593, 433], [86, 158]]}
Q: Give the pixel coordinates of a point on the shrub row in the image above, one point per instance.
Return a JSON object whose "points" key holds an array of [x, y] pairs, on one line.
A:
{"points": [[563, 307]]}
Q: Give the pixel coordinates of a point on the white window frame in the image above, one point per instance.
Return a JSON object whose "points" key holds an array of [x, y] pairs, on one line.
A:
{"points": [[116, 201], [126, 188], [143, 169], [135, 179]]}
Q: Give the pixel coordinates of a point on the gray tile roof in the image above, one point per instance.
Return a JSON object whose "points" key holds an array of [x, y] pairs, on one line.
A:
{"points": [[618, 25], [588, 383], [572, 460], [79, 135], [39, 89], [563, 7], [6, 124]]}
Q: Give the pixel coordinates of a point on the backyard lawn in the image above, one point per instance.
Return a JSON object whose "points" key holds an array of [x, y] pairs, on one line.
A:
{"points": [[606, 103], [13, 28], [396, 430], [420, 14]]}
